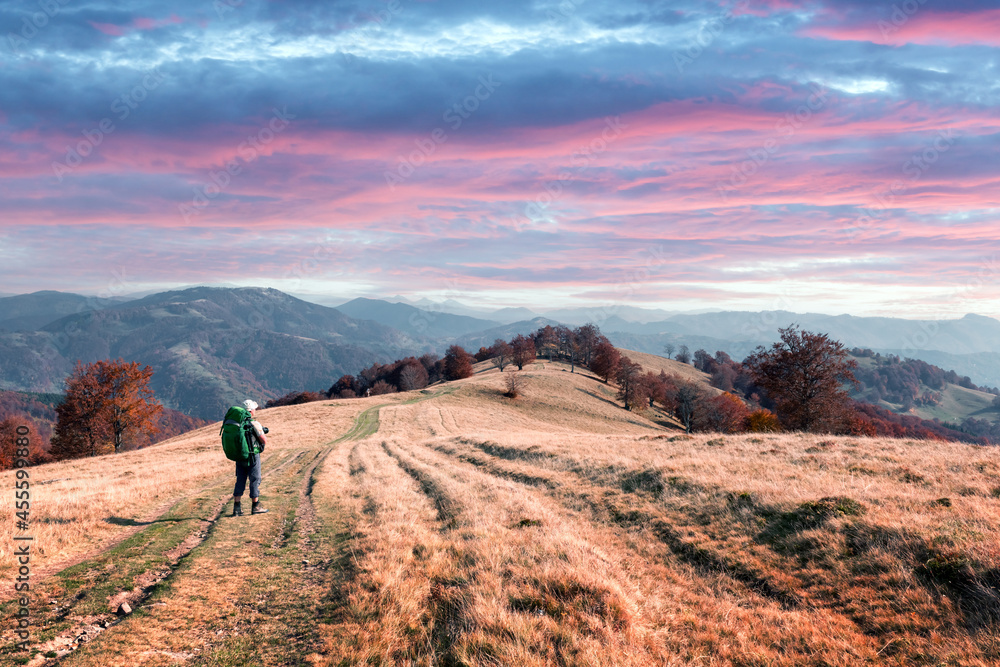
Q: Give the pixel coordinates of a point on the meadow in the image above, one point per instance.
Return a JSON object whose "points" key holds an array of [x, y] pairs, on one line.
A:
{"points": [[455, 526]]}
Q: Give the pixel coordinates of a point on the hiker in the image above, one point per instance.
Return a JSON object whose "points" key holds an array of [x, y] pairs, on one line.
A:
{"points": [[251, 469]]}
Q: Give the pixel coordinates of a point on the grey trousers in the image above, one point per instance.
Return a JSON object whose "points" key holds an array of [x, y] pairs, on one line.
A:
{"points": [[251, 472]]}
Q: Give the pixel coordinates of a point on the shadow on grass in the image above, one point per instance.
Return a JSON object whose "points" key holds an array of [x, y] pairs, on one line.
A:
{"points": [[120, 521]]}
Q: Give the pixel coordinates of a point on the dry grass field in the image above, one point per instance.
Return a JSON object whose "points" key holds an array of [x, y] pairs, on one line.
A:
{"points": [[455, 526]]}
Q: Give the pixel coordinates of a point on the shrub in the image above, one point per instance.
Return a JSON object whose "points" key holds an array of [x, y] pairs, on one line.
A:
{"points": [[515, 384], [762, 421]]}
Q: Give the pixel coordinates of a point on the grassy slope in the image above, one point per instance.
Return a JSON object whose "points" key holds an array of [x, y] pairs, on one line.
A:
{"points": [[458, 527]]}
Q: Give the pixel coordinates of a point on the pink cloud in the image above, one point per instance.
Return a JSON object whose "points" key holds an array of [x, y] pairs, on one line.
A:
{"points": [[151, 24], [923, 27], [108, 28]]}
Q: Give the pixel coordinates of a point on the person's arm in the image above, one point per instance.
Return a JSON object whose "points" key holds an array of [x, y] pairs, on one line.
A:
{"points": [[258, 432]]}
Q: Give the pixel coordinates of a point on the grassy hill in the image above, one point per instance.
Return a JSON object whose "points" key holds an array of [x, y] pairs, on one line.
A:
{"points": [[454, 526], [955, 403]]}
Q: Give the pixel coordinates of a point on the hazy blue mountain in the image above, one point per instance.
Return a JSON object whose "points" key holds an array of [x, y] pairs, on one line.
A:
{"points": [[603, 315], [414, 321], [209, 347], [511, 315], [28, 312]]}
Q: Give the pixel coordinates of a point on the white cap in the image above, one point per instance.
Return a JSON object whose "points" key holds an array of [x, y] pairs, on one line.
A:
{"points": [[249, 405]]}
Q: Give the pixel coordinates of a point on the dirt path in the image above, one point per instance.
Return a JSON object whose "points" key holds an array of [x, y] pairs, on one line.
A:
{"points": [[41, 576]]}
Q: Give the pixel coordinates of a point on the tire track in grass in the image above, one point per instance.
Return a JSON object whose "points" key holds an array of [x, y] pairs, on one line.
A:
{"points": [[389, 604], [628, 528], [448, 507], [73, 606], [40, 576], [536, 561], [367, 423], [242, 596], [626, 497], [627, 510]]}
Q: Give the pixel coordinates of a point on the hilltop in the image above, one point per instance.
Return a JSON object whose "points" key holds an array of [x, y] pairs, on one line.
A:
{"points": [[455, 526]]}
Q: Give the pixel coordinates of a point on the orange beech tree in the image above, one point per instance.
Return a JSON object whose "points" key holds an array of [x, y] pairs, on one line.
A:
{"points": [[108, 405]]}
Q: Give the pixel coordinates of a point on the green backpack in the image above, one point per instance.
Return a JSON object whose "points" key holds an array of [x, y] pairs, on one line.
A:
{"points": [[237, 441]]}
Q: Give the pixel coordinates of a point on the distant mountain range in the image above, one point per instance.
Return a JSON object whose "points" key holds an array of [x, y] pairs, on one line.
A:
{"points": [[413, 321], [211, 346]]}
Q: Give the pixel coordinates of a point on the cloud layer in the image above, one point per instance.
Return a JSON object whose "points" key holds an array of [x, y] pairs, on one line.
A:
{"points": [[827, 155]]}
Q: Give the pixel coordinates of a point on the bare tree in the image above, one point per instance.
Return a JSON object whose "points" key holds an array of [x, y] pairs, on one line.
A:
{"points": [[687, 400], [684, 355], [587, 338], [669, 349], [502, 353]]}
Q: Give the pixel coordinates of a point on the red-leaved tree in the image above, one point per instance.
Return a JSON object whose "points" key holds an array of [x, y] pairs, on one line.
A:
{"points": [[108, 406], [804, 375]]}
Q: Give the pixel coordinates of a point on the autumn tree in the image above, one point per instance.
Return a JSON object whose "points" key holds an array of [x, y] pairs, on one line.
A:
{"points": [[803, 375], [724, 413], [606, 360], [412, 375], [630, 383], [501, 353], [346, 387], [108, 405], [547, 341], [653, 388], [569, 348], [81, 428], [687, 401], [523, 351], [381, 387], [587, 338], [666, 395], [457, 363]]}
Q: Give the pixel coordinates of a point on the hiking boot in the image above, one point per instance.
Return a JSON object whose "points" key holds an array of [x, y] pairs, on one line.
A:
{"points": [[257, 509], [237, 510]]}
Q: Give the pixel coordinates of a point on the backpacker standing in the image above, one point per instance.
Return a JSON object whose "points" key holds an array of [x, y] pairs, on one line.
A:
{"points": [[250, 470]]}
